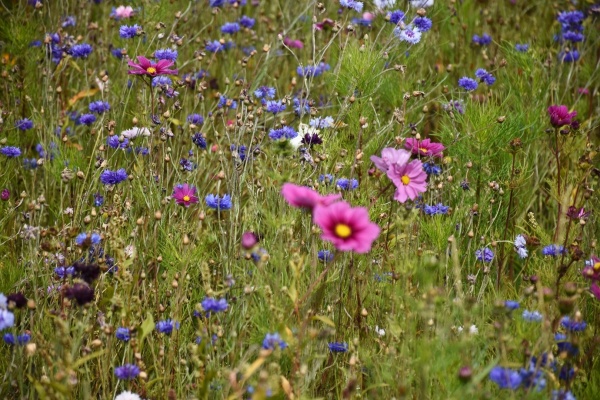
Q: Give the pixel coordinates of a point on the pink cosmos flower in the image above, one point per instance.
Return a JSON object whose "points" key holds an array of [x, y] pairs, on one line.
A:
{"points": [[348, 228], [560, 115], [409, 180], [147, 67], [592, 270], [305, 197], [595, 289], [185, 195], [293, 44], [424, 147], [389, 157], [249, 240], [122, 12]]}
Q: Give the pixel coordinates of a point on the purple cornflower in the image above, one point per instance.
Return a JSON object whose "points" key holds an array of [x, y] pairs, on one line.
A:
{"points": [[396, 16], [128, 32], [123, 334], [10, 151], [215, 46], [127, 372], [166, 54], [511, 305], [87, 119], [553, 250], [423, 23], [21, 340], [572, 325], [230, 28], [311, 139], [87, 239], [352, 4], [195, 119], [532, 316], [301, 106], [199, 140], [264, 92], [225, 102], [482, 40], [247, 22], [218, 203], [522, 48], [505, 378], [347, 184], [114, 142], [325, 255], [456, 105], [80, 50], [274, 107], [484, 255], [98, 200], [210, 304], [167, 326], [108, 177], [287, 132], [99, 106], [562, 394], [570, 19], [436, 209], [572, 36], [161, 80], [312, 70], [24, 124], [410, 34], [68, 21], [117, 52], [272, 341], [570, 56], [432, 169], [485, 76], [338, 347], [467, 83], [63, 272]]}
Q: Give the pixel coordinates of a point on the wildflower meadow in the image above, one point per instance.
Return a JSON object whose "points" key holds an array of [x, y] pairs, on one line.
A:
{"points": [[278, 199]]}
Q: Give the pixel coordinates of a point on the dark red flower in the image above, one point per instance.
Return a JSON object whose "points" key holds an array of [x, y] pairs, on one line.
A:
{"points": [[80, 292], [18, 299], [560, 115], [147, 67]]}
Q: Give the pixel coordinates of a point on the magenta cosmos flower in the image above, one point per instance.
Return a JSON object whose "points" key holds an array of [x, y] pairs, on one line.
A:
{"points": [[305, 197], [147, 67], [348, 228], [560, 115], [424, 147], [389, 157], [409, 180], [185, 195]]}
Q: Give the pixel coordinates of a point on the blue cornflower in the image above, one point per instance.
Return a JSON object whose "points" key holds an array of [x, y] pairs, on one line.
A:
{"points": [[218, 203], [247, 22], [505, 378], [63, 272], [347, 184], [325, 255], [10, 339], [326, 178], [24, 124], [396, 16], [570, 56], [123, 334], [312, 70], [117, 52], [225, 102], [108, 177], [409, 34], [467, 83], [532, 316], [87, 119], [272, 341], [187, 165], [573, 36], [570, 18], [301, 106], [215, 46], [114, 142], [166, 54], [432, 169], [511, 305], [68, 21], [482, 40], [86, 239], [30, 163], [287, 132], [264, 92], [321, 123], [562, 394], [35, 43], [167, 326], [484, 255], [161, 80], [573, 326], [241, 150], [10, 151], [127, 371], [195, 119], [230, 28], [144, 151], [532, 377], [80, 50], [199, 140], [128, 32], [522, 48], [216, 3], [7, 319], [553, 250], [210, 304], [99, 106], [520, 246], [437, 209], [423, 23], [98, 200], [352, 4], [274, 107], [338, 347]]}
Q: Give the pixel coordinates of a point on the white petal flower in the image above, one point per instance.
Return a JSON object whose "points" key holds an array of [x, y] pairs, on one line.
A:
{"points": [[128, 396], [382, 4], [421, 3], [473, 330], [135, 132]]}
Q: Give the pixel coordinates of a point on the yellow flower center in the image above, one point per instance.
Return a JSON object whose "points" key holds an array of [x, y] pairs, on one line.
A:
{"points": [[423, 149], [597, 266], [343, 231], [405, 179], [186, 198], [151, 70]]}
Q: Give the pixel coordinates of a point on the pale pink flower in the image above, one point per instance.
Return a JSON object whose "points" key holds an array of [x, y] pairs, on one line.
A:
{"points": [[409, 180], [293, 44], [122, 12], [305, 197], [348, 228], [424, 147], [389, 157]]}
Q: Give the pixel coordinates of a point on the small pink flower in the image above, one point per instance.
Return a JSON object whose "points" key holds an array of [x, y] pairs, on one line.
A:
{"points": [[424, 147], [595, 289], [389, 157], [348, 228], [368, 16], [293, 44], [249, 240], [147, 67], [305, 197], [122, 12], [409, 180], [560, 115], [583, 90], [185, 195]]}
